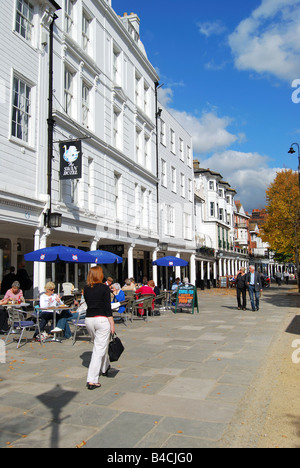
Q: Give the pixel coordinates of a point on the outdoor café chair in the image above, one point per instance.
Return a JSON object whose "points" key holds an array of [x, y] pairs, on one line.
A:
{"points": [[79, 324], [144, 303], [18, 324], [123, 316]]}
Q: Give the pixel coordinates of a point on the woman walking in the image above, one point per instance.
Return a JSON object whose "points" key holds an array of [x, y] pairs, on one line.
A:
{"points": [[100, 324], [241, 289]]}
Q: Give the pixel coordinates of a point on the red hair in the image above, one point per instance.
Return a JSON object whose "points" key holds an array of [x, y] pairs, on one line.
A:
{"points": [[95, 276]]}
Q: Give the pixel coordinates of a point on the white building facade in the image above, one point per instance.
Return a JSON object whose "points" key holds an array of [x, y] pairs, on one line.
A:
{"points": [[176, 191], [105, 96], [217, 254]]}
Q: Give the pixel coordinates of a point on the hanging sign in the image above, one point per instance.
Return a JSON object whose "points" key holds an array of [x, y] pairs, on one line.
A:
{"points": [[70, 160]]}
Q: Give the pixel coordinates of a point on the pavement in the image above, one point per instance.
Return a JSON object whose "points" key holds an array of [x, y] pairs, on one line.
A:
{"points": [[180, 382]]}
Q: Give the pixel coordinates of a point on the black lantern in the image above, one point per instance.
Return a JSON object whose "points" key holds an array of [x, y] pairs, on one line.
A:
{"points": [[53, 220]]}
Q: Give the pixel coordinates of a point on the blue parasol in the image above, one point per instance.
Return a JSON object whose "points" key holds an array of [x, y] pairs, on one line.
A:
{"points": [[101, 257], [170, 262], [59, 254]]}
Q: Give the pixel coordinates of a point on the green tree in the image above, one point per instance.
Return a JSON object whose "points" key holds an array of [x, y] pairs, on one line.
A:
{"points": [[282, 227]]}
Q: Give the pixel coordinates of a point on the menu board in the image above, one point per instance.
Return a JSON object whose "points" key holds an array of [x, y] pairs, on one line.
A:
{"points": [[187, 298], [223, 282]]}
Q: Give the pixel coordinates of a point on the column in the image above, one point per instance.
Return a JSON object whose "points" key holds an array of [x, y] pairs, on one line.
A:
{"points": [[42, 266], [215, 271], [130, 261], [220, 267], [36, 265], [154, 267], [177, 269], [193, 269]]}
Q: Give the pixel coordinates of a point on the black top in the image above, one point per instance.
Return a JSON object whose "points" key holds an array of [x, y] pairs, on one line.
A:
{"points": [[241, 281], [98, 300]]}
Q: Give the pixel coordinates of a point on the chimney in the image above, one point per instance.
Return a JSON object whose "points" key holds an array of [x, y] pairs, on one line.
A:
{"points": [[196, 164], [134, 20]]}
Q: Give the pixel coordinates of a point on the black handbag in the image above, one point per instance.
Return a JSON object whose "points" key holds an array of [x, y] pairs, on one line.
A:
{"points": [[115, 348]]}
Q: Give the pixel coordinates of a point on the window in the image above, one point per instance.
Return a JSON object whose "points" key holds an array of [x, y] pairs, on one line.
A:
{"points": [[172, 140], [24, 19], [162, 132], [187, 226], [211, 185], [163, 173], [137, 205], [138, 145], [68, 90], [86, 40], [221, 214], [21, 110], [212, 209], [117, 140], [146, 99], [182, 185], [144, 211], [189, 156], [117, 201], [147, 153], [85, 104], [138, 80], [181, 149], [69, 16], [170, 221], [117, 66], [190, 190], [174, 182], [91, 184]]}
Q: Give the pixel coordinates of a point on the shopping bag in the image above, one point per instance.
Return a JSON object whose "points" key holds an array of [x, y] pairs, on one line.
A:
{"points": [[115, 348]]}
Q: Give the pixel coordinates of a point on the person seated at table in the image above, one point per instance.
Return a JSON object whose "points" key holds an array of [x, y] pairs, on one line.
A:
{"points": [[4, 327], [15, 294], [119, 296], [176, 284], [129, 286], [146, 289], [48, 300]]}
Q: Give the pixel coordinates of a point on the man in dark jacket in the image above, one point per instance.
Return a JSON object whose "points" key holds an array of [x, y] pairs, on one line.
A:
{"points": [[254, 286]]}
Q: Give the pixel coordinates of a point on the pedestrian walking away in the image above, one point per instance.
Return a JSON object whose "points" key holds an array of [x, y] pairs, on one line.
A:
{"points": [[254, 286], [100, 324]]}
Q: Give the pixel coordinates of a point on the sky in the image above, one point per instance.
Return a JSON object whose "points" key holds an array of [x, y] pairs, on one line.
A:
{"points": [[231, 76]]}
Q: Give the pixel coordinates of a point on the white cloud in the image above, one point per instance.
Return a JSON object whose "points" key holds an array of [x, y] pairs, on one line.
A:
{"points": [[209, 132], [210, 28], [269, 40], [248, 173]]}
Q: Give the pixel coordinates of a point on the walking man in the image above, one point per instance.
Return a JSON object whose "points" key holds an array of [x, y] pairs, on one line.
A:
{"points": [[254, 285]]}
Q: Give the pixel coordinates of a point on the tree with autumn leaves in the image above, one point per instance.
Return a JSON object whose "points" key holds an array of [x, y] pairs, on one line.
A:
{"points": [[282, 227]]}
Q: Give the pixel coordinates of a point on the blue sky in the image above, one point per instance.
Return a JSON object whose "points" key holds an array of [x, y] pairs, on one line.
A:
{"points": [[228, 68]]}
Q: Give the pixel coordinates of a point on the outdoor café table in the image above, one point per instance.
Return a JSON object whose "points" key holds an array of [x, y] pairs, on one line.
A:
{"points": [[55, 310]]}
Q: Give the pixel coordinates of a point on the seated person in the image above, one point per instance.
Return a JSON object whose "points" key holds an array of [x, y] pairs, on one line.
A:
{"points": [[176, 284], [15, 294], [119, 296], [4, 327], [129, 286], [50, 299], [147, 288], [186, 283]]}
